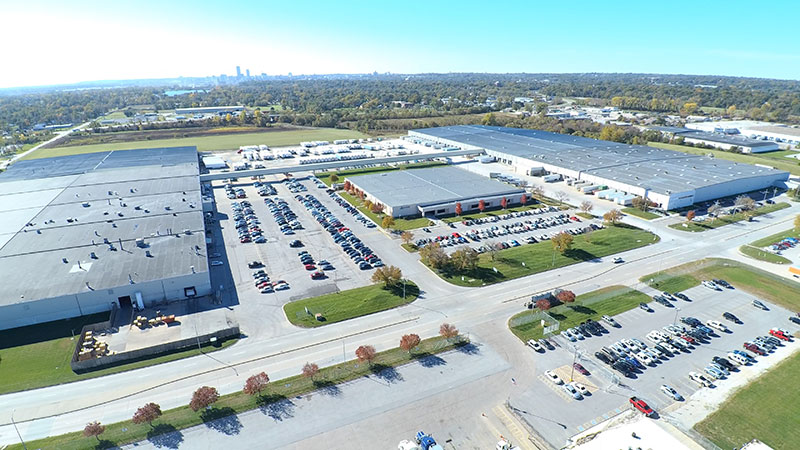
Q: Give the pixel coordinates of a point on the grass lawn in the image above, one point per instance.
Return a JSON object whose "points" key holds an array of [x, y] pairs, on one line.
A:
{"points": [[325, 176], [670, 283], [210, 143], [647, 215], [770, 287], [489, 213], [777, 237], [611, 300], [410, 248], [587, 216], [120, 433], [399, 222], [348, 304], [773, 159], [38, 355], [763, 255], [766, 409], [695, 227], [541, 257]]}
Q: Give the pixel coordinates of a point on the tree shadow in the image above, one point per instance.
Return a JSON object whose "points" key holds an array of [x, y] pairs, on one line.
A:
{"points": [[468, 348], [327, 388], [428, 360], [579, 254], [557, 316], [276, 406], [386, 373], [223, 420], [582, 309], [412, 290], [104, 444], [165, 435]]}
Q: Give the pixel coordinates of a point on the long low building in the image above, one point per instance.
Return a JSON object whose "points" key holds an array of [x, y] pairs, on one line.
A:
{"points": [[720, 140], [433, 191], [82, 233], [668, 178]]}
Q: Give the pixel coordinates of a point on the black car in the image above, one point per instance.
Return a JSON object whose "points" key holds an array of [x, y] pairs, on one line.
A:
{"points": [[662, 300], [795, 319], [663, 349], [724, 363], [723, 283], [295, 243], [681, 296], [691, 321], [603, 357], [731, 317], [254, 264]]}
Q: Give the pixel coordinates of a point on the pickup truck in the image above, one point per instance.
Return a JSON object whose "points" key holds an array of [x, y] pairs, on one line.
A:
{"points": [[642, 406]]}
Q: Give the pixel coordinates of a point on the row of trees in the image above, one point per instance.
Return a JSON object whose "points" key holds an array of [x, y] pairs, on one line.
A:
{"points": [[562, 296], [256, 385]]}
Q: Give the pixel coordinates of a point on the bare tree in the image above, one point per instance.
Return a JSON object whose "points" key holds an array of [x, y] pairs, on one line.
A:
{"points": [[256, 384], [147, 413], [537, 191], [310, 370], [714, 209], [366, 353], [203, 397], [586, 206], [561, 196], [409, 341], [448, 331], [744, 203], [94, 429]]}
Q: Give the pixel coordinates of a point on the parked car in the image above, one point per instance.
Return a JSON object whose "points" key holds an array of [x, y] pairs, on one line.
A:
{"points": [[641, 405], [700, 379], [759, 304], [610, 320], [535, 345], [582, 370], [718, 326], [711, 285], [553, 377], [645, 307], [669, 391], [581, 388], [731, 317], [570, 389]]}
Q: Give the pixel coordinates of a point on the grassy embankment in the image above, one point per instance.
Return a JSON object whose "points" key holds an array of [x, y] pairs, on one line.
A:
{"points": [[349, 304]]}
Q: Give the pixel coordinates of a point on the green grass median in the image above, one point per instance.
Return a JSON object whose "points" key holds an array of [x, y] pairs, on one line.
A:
{"points": [[695, 227], [763, 255], [611, 300], [183, 417], [647, 215], [349, 304]]}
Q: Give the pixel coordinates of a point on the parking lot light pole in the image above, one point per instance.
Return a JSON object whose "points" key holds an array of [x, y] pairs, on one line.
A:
{"points": [[574, 358], [675, 320], [25, 447]]}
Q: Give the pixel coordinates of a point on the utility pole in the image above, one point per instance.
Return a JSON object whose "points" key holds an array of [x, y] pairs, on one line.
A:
{"points": [[574, 358], [765, 192], [25, 447]]}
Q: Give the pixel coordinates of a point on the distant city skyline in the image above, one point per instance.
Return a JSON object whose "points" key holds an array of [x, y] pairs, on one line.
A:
{"points": [[91, 40]]}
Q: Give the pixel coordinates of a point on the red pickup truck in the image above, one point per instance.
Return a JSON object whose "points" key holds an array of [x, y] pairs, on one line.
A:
{"points": [[642, 406]]}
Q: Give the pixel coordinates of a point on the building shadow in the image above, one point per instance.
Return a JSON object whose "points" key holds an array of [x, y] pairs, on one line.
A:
{"points": [[223, 420], [165, 435]]}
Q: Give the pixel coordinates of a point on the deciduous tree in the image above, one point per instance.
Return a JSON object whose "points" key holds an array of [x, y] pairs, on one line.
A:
{"points": [[464, 259], [543, 304], [388, 275], [407, 237], [639, 203], [504, 203], [562, 242], [203, 397], [613, 217], [334, 178], [366, 353], [797, 221], [448, 331], [387, 222], [94, 429], [458, 209], [744, 203], [347, 185], [586, 206], [256, 384], [409, 342], [537, 191], [147, 413], [566, 296], [561, 196], [482, 206], [434, 256], [376, 208], [523, 199], [310, 370], [690, 215]]}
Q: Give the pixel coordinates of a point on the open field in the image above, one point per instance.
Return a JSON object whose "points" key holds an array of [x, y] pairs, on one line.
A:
{"points": [[763, 255], [38, 355], [759, 283], [214, 142], [278, 390], [721, 221], [488, 213], [541, 256], [766, 409], [348, 304], [647, 215], [325, 177], [611, 300], [399, 223], [773, 159]]}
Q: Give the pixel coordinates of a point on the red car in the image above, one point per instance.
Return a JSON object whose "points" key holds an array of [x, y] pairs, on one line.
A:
{"points": [[317, 275], [688, 338], [779, 334], [311, 267], [753, 348], [642, 406], [582, 370]]}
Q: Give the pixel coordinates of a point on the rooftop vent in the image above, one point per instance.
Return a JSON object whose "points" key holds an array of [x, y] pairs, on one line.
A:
{"points": [[92, 255], [64, 260]]}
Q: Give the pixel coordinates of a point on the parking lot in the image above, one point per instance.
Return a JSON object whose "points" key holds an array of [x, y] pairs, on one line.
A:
{"points": [[565, 416], [279, 260]]}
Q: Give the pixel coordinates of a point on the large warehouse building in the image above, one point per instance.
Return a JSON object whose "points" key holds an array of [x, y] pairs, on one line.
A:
{"points": [[670, 179], [81, 233], [433, 191]]}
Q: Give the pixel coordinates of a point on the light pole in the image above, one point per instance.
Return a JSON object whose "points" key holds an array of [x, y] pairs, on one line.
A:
{"points": [[765, 192], [17, 430], [675, 320], [574, 358]]}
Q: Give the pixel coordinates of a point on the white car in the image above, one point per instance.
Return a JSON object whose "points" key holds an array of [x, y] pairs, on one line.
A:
{"points": [[568, 336], [610, 320], [654, 353], [581, 388], [638, 343], [570, 389], [714, 373], [553, 377], [717, 325], [576, 333], [644, 358], [668, 390], [738, 359], [711, 285], [700, 379], [535, 345], [217, 263]]}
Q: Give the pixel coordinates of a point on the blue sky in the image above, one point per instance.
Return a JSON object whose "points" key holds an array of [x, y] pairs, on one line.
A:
{"points": [[62, 42]]}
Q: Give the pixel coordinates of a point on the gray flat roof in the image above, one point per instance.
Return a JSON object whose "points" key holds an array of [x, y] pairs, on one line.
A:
{"points": [[724, 138], [659, 170], [430, 186], [54, 211]]}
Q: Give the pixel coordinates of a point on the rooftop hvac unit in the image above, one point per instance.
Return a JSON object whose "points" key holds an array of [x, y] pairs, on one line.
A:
{"points": [[187, 231], [92, 255], [148, 254], [64, 260]]}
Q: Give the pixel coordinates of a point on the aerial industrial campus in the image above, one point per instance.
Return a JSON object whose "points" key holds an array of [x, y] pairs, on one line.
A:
{"points": [[367, 226]]}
